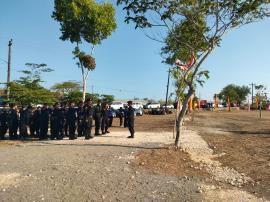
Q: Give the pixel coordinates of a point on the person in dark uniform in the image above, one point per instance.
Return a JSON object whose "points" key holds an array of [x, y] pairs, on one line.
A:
{"points": [[104, 119], [121, 115], [23, 122], [57, 123], [31, 121], [13, 122], [44, 121], [110, 116], [3, 122], [81, 123], [88, 119], [126, 116], [97, 116], [131, 119], [71, 117], [64, 107], [36, 118]]}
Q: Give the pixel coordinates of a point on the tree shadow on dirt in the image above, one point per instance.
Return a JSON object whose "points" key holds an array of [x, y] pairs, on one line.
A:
{"points": [[245, 132], [148, 146]]}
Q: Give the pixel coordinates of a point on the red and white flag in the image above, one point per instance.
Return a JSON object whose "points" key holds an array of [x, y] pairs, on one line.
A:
{"points": [[183, 66]]}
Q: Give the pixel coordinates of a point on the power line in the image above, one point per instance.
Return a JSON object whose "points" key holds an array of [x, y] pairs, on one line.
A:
{"points": [[4, 60], [118, 89]]}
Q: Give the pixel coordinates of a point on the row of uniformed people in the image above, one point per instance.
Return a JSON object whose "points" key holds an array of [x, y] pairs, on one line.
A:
{"points": [[62, 120]]}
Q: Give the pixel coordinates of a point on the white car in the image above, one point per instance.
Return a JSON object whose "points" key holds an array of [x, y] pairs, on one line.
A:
{"points": [[117, 105], [137, 105], [168, 106], [153, 106], [138, 112]]}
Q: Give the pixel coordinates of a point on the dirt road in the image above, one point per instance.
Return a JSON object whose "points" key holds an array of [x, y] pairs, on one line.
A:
{"points": [[97, 170], [114, 168]]}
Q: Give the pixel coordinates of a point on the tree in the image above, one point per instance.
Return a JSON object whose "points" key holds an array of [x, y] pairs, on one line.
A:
{"points": [[66, 87], [32, 75], [84, 20], [235, 93], [107, 98], [74, 96], [192, 27], [28, 90], [25, 95], [261, 94]]}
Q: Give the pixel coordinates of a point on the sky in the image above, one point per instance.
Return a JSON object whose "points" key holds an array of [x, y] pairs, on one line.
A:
{"points": [[128, 63]]}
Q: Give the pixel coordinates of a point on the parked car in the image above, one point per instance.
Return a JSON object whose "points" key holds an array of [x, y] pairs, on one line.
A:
{"points": [[137, 105], [138, 112], [117, 105], [209, 105], [153, 105], [168, 106]]}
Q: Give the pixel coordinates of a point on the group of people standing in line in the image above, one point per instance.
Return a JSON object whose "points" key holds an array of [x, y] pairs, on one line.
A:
{"points": [[62, 120]]}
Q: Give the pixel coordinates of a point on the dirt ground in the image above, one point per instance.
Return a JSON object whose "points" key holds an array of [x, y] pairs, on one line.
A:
{"points": [[244, 140], [114, 168], [149, 123]]}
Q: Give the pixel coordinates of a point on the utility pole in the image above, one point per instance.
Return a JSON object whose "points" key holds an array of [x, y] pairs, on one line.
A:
{"points": [[252, 86], [167, 92], [9, 64]]}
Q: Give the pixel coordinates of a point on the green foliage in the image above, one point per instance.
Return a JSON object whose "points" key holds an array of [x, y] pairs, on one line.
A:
{"points": [[236, 93], [233, 13], [192, 26], [76, 96], [66, 87], [28, 90], [184, 40], [26, 95], [181, 81], [32, 75], [107, 98], [85, 19]]}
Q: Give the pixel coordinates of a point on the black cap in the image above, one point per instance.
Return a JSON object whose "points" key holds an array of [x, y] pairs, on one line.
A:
{"points": [[129, 102]]}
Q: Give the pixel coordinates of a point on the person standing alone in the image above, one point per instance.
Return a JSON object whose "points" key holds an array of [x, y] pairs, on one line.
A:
{"points": [[104, 119], [130, 119]]}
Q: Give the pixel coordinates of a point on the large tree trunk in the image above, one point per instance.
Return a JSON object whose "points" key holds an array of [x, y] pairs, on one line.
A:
{"points": [[181, 115]]}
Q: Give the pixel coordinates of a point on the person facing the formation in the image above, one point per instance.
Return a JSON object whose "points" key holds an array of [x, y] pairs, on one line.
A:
{"points": [[130, 119], [104, 119]]}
